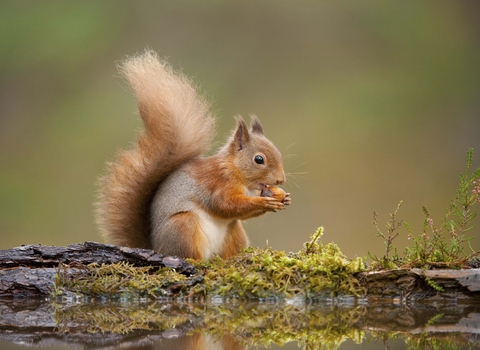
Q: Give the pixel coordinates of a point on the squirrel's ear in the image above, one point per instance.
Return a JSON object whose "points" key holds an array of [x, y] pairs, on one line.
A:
{"points": [[241, 136], [257, 127]]}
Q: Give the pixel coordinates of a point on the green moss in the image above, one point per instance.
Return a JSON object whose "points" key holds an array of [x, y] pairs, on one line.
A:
{"points": [[318, 271], [120, 280]]}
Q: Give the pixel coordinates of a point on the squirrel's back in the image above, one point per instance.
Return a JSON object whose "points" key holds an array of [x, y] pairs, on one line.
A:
{"points": [[178, 127]]}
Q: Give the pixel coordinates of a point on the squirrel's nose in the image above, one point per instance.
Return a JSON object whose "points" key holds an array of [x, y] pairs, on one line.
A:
{"points": [[281, 181]]}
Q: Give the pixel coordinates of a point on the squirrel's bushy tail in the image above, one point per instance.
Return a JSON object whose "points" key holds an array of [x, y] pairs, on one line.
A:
{"points": [[178, 127]]}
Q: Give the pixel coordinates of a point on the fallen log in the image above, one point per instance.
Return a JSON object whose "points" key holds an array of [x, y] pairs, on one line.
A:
{"points": [[31, 271], [38, 255], [418, 284]]}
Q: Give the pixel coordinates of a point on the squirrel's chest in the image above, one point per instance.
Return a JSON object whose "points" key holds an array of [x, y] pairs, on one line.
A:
{"points": [[215, 231]]}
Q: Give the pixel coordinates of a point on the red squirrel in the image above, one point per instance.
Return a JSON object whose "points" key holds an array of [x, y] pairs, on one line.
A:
{"points": [[164, 194]]}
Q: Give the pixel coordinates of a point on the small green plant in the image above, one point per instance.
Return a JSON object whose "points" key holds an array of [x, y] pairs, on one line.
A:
{"points": [[437, 246], [433, 284], [393, 225]]}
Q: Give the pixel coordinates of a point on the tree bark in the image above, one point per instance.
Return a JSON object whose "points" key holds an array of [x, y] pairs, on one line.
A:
{"points": [[29, 271], [404, 284]]}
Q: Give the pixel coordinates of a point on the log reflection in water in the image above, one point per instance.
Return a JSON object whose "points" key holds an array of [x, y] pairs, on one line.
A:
{"points": [[233, 325]]}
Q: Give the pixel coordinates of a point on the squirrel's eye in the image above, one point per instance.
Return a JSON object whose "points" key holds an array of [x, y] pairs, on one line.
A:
{"points": [[258, 159]]}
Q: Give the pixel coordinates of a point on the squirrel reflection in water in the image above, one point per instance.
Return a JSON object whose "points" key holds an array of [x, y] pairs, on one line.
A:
{"points": [[196, 341]]}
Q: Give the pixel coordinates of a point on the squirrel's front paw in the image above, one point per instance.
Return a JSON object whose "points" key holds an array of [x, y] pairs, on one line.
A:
{"points": [[272, 204], [281, 197]]}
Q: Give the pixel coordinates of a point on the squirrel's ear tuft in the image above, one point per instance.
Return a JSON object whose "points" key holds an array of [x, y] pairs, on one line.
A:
{"points": [[241, 136], [257, 127]]}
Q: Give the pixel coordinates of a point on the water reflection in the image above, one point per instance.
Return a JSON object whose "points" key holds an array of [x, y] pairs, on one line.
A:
{"points": [[196, 341], [239, 325]]}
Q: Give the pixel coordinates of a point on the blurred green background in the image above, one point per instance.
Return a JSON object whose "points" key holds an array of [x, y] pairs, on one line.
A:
{"points": [[375, 101]]}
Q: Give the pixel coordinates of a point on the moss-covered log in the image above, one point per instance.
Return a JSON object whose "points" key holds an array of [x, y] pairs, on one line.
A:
{"points": [[35, 270], [30, 270]]}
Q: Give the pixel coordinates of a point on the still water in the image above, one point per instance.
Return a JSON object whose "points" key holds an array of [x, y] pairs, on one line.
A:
{"points": [[331, 324]]}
